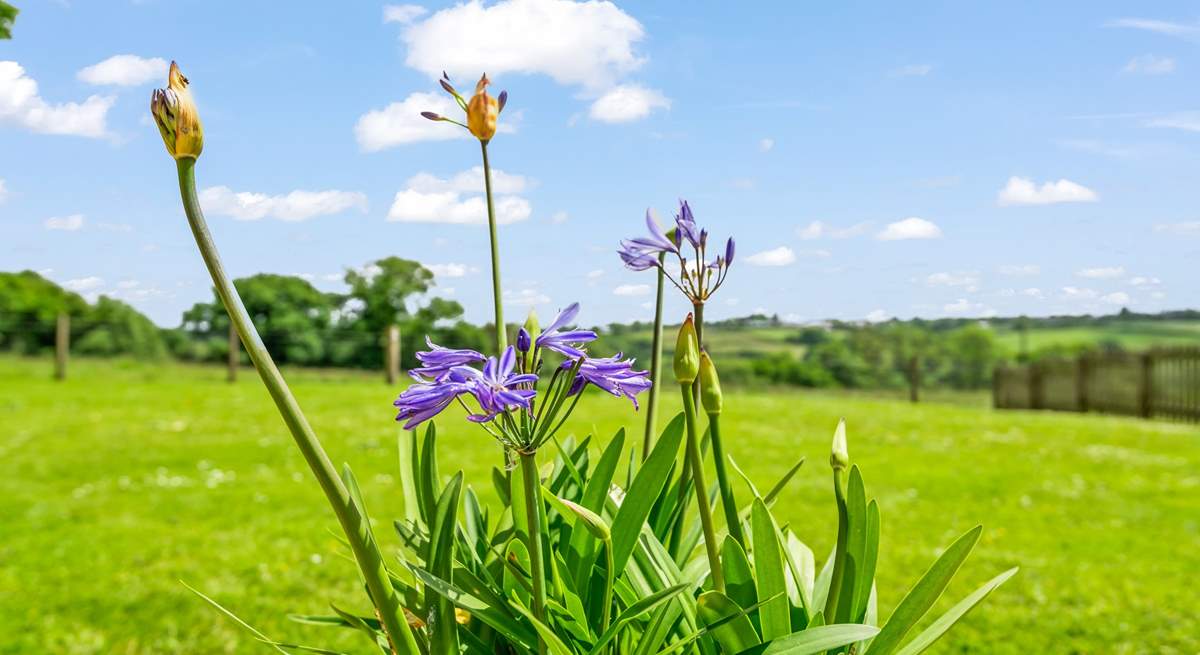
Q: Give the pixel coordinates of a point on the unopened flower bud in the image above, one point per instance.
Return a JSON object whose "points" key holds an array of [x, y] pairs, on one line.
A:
{"points": [[710, 385], [482, 111], [839, 455], [526, 336], [687, 353], [177, 118], [523, 340], [431, 116]]}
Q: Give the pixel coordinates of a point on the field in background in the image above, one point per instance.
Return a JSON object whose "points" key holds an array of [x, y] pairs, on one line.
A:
{"points": [[127, 478], [1131, 335]]}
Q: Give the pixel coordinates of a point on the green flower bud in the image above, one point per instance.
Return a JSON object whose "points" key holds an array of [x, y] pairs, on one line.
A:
{"points": [[177, 118], [687, 353], [839, 455], [710, 385], [532, 330]]}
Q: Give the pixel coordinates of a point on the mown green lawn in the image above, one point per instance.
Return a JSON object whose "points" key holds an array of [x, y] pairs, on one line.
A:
{"points": [[127, 478]]}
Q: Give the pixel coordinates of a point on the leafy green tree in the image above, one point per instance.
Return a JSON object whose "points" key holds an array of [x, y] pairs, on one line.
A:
{"points": [[114, 328], [29, 307], [8, 15], [973, 352]]}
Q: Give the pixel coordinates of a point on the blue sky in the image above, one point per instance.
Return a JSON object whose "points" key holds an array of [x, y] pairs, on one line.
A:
{"points": [[871, 159]]}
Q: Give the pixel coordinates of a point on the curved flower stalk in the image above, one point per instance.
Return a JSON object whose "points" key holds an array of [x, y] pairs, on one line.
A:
{"points": [[179, 123], [503, 397], [483, 112]]}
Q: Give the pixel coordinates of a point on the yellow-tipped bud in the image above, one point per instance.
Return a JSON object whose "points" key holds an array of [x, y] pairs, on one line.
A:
{"points": [[839, 454], [687, 353], [177, 118], [710, 385], [482, 111]]}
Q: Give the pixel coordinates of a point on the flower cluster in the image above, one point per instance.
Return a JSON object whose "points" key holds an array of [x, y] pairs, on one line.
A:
{"points": [[698, 278], [505, 389]]}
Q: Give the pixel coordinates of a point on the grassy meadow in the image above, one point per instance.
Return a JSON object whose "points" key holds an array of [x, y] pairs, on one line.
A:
{"points": [[128, 478]]}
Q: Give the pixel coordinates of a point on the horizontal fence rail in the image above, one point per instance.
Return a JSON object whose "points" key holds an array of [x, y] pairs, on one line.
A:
{"points": [[1158, 383]]}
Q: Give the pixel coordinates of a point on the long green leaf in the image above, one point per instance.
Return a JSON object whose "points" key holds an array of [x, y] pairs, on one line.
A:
{"points": [[408, 479], [444, 629], [946, 621], [815, 640], [739, 579], [865, 573], [774, 616], [251, 629], [639, 499], [634, 611], [727, 622], [923, 595]]}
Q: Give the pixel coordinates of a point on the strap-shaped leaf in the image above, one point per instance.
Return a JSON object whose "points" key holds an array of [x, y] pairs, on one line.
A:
{"points": [[946, 621], [815, 640], [627, 524], [739, 578], [773, 616], [443, 638], [923, 595], [727, 622]]}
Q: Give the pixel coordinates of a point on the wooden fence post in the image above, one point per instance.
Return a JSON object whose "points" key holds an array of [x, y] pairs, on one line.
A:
{"points": [[1082, 378], [62, 345], [235, 351], [1035, 385], [1146, 385], [393, 354]]}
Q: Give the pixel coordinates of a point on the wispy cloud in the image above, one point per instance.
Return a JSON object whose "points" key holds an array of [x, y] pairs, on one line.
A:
{"points": [[427, 198], [451, 269], [69, 223], [632, 290], [969, 280], [403, 14], [1186, 228], [1102, 272], [626, 103], [1189, 121], [910, 228], [1166, 27], [297, 205], [821, 229], [1023, 191], [765, 145], [125, 70], [1020, 269], [912, 70], [781, 256], [1149, 65]]}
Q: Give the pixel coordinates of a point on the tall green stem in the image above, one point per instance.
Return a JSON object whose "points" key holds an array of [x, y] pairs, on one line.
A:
{"points": [[655, 368], [673, 542], [532, 487], [732, 521], [354, 523], [501, 332], [697, 466], [698, 313]]}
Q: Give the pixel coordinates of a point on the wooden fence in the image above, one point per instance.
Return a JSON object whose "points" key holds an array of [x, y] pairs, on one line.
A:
{"points": [[1159, 383]]}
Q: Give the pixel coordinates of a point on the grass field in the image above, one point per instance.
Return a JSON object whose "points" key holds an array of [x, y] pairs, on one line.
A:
{"points": [[126, 479], [1131, 334]]}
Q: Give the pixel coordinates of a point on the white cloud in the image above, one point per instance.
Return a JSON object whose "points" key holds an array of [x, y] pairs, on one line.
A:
{"points": [[1101, 272], [962, 306], [781, 256], [559, 217], [819, 229], [124, 70], [67, 223], [1033, 292], [632, 290], [451, 269], [80, 285], [298, 205], [765, 145], [1188, 121], [403, 14], [877, 316], [1187, 228], [526, 297], [1020, 269], [586, 44], [401, 122], [1023, 191], [1168, 28], [459, 199], [1116, 298], [910, 228], [970, 280], [1144, 281], [595, 274], [627, 102], [20, 104], [3, 192], [913, 70], [817, 253], [1077, 293], [1150, 65]]}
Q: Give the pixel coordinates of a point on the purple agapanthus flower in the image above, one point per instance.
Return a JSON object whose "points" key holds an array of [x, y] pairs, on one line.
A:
{"points": [[565, 341], [695, 277], [437, 361], [423, 401], [496, 387], [612, 374]]}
